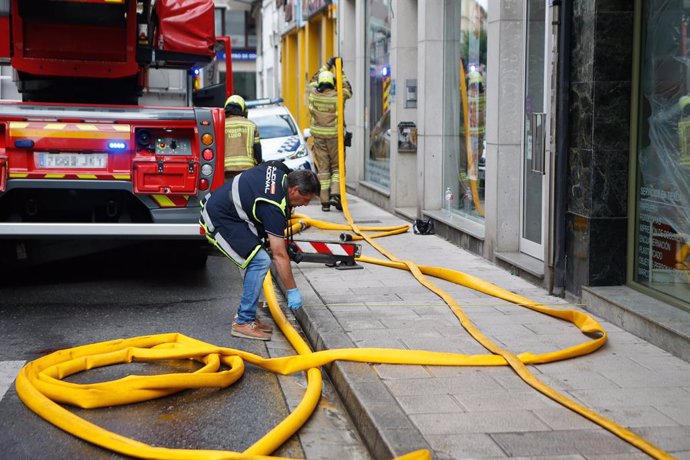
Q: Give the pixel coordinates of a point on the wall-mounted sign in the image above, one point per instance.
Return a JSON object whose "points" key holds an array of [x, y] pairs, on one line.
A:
{"points": [[244, 55]]}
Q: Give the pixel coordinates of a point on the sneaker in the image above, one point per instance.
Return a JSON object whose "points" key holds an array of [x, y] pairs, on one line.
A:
{"points": [[249, 331], [267, 328], [325, 207], [335, 201], [260, 324]]}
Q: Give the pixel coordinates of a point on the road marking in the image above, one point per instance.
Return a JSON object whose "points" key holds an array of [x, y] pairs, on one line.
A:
{"points": [[8, 371]]}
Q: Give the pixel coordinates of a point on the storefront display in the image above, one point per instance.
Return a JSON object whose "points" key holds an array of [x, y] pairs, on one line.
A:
{"points": [[379, 94], [464, 118], [662, 211]]}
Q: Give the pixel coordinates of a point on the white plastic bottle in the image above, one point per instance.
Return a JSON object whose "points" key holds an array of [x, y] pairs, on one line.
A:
{"points": [[448, 197]]}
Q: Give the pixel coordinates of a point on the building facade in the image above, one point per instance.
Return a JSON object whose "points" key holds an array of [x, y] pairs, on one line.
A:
{"points": [[550, 137]]}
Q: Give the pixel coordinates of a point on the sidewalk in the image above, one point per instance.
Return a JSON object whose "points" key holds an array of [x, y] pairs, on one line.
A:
{"points": [[473, 412]]}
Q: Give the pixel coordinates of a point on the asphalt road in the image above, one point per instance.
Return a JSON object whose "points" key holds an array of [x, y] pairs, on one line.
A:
{"points": [[127, 293]]}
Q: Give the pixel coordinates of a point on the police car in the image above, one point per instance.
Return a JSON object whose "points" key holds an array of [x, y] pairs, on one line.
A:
{"points": [[280, 136]]}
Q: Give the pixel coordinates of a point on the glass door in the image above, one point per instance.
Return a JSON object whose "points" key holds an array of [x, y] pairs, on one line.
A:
{"points": [[535, 164]]}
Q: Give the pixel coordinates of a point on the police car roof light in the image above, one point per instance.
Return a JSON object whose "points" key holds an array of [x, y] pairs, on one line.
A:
{"points": [[265, 101]]}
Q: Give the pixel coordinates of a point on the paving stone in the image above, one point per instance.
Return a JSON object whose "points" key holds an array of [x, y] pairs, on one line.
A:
{"points": [[548, 443], [648, 378], [403, 387], [636, 416], [479, 422], [577, 380], [502, 400], [465, 446], [389, 371], [626, 396], [560, 418], [679, 411], [674, 438], [349, 324], [427, 404]]}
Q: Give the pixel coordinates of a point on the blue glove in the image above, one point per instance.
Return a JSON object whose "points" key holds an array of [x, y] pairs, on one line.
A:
{"points": [[294, 299]]}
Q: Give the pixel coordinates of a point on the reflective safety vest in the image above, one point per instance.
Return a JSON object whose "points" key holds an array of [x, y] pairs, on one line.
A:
{"points": [[323, 107], [240, 136], [229, 213]]}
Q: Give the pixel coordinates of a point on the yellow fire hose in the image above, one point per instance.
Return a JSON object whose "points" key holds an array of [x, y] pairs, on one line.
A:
{"points": [[41, 387], [468, 144], [586, 324]]}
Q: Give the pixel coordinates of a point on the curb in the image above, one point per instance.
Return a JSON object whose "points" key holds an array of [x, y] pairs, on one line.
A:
{"points": [[387, 431]]}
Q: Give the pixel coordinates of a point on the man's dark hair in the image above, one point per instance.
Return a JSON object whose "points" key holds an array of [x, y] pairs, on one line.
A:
{"points": [[305, 180]]}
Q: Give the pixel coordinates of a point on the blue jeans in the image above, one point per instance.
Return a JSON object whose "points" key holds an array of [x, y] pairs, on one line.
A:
{"points": [[253, 282]]}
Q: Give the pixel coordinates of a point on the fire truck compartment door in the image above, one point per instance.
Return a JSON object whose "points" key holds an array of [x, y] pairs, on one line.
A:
{"points": [[186, 26], [4, 33], [3, 173], [166, 177]]}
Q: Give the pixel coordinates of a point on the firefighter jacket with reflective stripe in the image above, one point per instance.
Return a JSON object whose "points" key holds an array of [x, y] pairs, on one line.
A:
{"points": [[242, 143], [323, 107], [238, 215]]}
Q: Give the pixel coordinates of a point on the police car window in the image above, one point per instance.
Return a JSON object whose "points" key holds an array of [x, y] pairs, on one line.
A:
{"points": [[271, 126]]}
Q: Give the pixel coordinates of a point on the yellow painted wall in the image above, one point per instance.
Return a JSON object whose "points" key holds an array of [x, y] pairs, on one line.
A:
{"points": [[304, 50]]}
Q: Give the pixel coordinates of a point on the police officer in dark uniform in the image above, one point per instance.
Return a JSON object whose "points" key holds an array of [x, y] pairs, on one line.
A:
{"points": [[237, 217]]}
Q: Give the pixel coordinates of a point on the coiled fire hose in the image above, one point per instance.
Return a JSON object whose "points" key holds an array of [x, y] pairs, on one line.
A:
{"points": [[41, 386]]}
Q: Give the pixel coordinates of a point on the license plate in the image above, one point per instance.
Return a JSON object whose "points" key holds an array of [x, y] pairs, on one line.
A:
{"points": [[72, 160]]}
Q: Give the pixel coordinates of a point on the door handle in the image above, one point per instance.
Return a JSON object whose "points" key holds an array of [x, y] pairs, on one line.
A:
{"points": [[538, 142]]}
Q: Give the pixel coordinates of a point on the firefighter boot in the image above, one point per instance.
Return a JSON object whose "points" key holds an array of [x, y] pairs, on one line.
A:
{"points": [[335, 201]]}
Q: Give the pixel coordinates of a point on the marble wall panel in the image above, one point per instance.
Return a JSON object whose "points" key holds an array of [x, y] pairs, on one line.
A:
{"points": [[613, 46], [615, 6], [607, 249], [609, 183], [580, 181], [581, 115], [582, 49], [611, 122], [584, 7]]}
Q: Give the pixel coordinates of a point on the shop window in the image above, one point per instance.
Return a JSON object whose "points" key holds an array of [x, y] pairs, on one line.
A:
{"points": [[378, 96], [241, 27], [464, 114], [219, 16], [662, 204], [244, 84]]}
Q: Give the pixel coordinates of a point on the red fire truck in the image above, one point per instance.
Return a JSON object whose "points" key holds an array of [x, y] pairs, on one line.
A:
{"points": [[82, 166]]}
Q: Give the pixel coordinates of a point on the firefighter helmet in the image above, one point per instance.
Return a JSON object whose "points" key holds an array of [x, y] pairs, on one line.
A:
{"points": [[236, 101], [683, 105], [326, 78]]}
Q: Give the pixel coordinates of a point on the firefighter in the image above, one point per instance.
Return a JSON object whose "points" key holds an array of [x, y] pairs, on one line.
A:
{"points": [[238, 217], [323, 107], [242, 142]]}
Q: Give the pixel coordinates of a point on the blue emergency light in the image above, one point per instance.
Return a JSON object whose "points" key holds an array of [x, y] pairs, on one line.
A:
{"points": [[23, 143], [117, 145]]}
